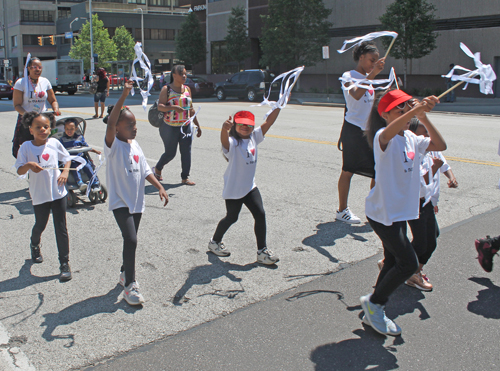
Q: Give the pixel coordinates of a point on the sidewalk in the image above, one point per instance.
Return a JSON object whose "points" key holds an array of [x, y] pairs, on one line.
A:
{"points": [[317, 326]]}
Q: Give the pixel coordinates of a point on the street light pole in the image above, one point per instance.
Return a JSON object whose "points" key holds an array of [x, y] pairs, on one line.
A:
{"points": [[142, 28], [71, 29], [91, 40]]}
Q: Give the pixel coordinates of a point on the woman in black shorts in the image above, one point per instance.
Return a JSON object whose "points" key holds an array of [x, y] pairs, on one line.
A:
{"points": [[357, 157], [102, 91]]}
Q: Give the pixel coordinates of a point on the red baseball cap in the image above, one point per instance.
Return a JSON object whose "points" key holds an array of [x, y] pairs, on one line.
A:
{"points": [[244, 117], [391, 99]]}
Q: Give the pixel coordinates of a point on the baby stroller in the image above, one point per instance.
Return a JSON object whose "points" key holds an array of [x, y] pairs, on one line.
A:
{"points": [[100, 193]]}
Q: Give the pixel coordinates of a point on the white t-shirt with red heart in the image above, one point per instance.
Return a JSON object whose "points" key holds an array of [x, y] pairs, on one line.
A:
{"points": [[357, 111], [126, 172], [239, 178], [43, 186], [34, 95], [396, 194]]}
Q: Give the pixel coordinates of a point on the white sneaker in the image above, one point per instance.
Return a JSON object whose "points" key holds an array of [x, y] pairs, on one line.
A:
{"points": [[266, 256], [376, 318], [392, 328], [122, 278], [218, 248], [132, 294], [347, 216]]}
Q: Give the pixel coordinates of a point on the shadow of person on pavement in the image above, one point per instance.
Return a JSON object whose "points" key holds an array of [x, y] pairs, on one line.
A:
{"points": [[204, 274], [406, 300], [20, 199], [488, 300], [327, 233], [25, 278], [106, 303], [367, 352]]}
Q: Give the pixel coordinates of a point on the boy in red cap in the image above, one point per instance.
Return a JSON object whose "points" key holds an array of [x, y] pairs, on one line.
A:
{"points": [[239, 140], [395, 197]]}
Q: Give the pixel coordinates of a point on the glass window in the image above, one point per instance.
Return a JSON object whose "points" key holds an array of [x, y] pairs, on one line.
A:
{"points": [[37, 16], [14, 41], [220, 62], [64, 12]]}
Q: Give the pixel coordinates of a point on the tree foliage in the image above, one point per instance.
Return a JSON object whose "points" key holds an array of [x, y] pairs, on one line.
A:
{"points": [[237, 40], [190, 43], [413, 20], [104, 47], [294, 32], [124, 44]]}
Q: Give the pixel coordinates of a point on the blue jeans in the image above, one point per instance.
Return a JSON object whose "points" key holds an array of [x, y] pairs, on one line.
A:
{"points": [[172, 137], [87, 169]]}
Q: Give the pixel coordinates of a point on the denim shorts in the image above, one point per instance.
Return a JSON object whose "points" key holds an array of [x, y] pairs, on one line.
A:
{"points": [[100, 96]]}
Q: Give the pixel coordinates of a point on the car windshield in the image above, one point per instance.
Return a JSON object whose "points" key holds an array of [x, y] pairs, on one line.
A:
{"points": [[198, 79], [4, 82]]}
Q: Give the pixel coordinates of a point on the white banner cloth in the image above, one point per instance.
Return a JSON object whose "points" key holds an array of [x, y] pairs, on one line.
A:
{"points": [[368, 84], [367, 37], [146, 66]]}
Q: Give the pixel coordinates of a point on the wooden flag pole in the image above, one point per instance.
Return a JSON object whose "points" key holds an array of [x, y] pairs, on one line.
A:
{"points": [[390, 46]]}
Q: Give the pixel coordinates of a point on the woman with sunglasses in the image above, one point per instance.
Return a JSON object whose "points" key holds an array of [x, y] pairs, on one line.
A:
{"points": [[30, 95], [357, 157], [239, 140], [395, 198]]}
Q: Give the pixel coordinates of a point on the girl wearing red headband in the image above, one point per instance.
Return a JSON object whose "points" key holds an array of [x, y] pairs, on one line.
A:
{"points": [[395, 197], [239, 140]]}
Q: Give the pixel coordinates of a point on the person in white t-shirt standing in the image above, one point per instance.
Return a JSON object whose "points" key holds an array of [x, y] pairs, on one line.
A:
{"points": [[30, 95], [395, 197], [357, 156], [239, 140], [40, 158], [126, 172]]}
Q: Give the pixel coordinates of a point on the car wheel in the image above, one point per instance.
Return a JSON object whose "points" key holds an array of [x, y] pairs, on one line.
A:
{"points": [[71, 92], [10, 98], [220, 94], [251, 95]]}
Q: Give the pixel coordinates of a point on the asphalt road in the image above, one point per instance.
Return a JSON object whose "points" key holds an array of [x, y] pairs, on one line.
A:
{"points": [[55, 326]]}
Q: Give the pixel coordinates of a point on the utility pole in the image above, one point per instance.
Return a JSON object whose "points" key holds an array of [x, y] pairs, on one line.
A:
{"points": [[5, 44], [91, 40]]}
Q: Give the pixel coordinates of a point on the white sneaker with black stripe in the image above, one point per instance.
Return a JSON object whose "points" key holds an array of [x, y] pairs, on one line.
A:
{"points": [[347, 216]]}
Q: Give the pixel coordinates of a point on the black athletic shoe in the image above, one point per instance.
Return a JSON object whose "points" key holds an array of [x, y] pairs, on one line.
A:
{"points": [[36, 256], [486, 251], [65, 272]]}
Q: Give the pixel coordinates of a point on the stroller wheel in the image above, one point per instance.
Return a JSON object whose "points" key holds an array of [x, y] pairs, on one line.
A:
{"points": [[93, 197], [103, 193], [71, 198]]}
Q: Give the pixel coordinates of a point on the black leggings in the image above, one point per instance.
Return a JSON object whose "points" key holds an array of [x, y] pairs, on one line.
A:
{"points": [[42, 212], [425, 232], [253, 201], [129, 224], [400, 260]]}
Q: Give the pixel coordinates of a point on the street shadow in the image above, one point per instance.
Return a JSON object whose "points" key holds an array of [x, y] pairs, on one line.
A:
{"points": [[364, 353], [20, 199], [406, 300], [151, 189], [89, 307], [488, 300], [327, 233], [25, 279], [204, 274]]}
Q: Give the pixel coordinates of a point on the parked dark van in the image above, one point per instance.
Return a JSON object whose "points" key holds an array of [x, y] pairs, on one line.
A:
{"points": [[249, 84]]}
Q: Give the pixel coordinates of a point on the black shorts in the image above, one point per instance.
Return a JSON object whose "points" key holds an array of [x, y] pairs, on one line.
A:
{"points": [[357, 156]]}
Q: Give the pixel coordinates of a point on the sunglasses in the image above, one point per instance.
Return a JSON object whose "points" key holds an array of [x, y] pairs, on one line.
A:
{"points": [[246, 125], [402, 105]]}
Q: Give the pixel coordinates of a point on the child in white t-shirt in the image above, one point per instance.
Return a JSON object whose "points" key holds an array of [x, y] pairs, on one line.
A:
{"points": [[126, 173], [40, 158], [395, 197], [239, 140]]}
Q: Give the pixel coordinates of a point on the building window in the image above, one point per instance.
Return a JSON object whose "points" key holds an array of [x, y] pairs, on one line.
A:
{"points": [[163, 2], [220, 60], [64, 12], [1, 43], [36, 16], [137, 2], [213, 1], [14, 41]]}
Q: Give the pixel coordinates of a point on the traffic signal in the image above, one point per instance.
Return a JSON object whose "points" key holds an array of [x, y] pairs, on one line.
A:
{"points": [[51, 37], [40, 41]]}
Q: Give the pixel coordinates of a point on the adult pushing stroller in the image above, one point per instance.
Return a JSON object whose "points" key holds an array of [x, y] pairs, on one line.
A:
{"points": [[98, 193]]}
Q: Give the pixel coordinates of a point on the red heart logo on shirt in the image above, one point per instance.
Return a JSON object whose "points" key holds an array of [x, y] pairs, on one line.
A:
{"points": [[411, 155], [45, 156], [136, 158], [371, 91], [252, 151]]}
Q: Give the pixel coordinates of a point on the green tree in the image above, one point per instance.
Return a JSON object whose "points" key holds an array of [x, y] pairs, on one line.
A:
{"points": [[190, 44], [237, 40], [104, 47], [413, 20], [294, 32], [124, 44]]}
